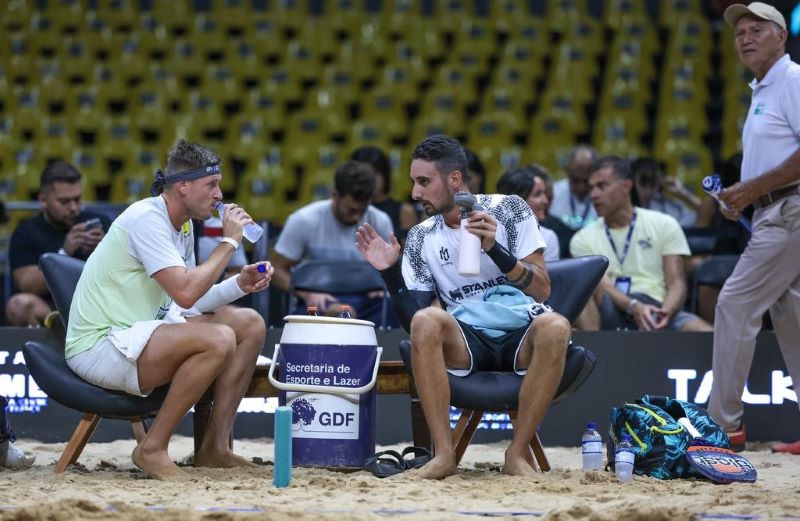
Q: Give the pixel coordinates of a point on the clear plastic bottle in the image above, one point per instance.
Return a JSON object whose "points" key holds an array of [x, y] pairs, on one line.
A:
{"points": [[251, 231], [592, 448], [623, 459], [344, 311]]}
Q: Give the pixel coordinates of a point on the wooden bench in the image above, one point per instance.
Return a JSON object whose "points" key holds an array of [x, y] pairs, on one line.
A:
{"points": [[392, 379]]}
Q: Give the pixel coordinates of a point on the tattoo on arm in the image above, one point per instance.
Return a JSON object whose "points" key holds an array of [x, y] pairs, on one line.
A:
{"points": [[524, 279]]}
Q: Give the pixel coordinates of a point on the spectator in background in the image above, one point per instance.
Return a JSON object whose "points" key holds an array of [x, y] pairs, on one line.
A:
{"points": [[326, 230], [663, 194], [644, 287], [571, 202], [60, 227], [402, 214], [529, 183], [476, 174]]}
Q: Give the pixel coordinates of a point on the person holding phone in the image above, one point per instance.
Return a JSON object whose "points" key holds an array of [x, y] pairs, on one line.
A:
{"points": [[61, 226]]}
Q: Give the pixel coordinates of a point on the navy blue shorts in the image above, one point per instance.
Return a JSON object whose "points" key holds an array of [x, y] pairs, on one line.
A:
{"points": [[492, 354]]}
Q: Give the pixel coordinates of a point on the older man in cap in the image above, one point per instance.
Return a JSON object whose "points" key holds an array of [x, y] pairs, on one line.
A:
{"points": [[767, 276]]}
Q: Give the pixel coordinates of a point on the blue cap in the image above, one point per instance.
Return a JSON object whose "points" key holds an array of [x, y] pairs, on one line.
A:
{"points": [[591, 425], [262, 268]]}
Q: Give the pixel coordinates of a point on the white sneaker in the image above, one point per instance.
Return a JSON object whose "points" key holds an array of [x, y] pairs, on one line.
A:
{"points": [[15, 459]]}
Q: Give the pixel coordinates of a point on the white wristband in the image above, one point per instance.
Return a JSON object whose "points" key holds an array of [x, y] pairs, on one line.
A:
{"points": [[230, 241], [632, 302]]}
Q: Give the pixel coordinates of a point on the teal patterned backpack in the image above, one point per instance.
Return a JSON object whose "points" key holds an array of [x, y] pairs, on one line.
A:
{"points": [[659, 441]]}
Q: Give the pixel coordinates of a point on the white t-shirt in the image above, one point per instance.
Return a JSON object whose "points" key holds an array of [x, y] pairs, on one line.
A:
{"points": [[116, 288], [772, 129], [312, 232], [430, 258], [553, 250], [575, 213]]}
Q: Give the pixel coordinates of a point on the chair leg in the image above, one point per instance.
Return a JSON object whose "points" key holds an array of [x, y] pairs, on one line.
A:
{"points": [[465, 429], [539, 457], [538, 453], [139, 427], [77, 442]]}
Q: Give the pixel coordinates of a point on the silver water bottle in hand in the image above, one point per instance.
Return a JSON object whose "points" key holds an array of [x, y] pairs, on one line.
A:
{"points": [[251, 231], [469, 251]]}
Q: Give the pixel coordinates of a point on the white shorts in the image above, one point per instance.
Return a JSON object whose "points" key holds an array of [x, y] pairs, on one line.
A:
{"points": [[111, 362]]}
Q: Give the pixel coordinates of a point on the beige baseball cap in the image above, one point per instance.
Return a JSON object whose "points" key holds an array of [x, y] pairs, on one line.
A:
{"points": [[757, 9]]}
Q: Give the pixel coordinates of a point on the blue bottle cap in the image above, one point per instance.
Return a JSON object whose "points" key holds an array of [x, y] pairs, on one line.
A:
{"points": [[262, 268], [591, 425]]}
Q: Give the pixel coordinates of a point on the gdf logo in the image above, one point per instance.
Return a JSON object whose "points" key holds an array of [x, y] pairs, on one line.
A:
{"points": [[336, 419]]}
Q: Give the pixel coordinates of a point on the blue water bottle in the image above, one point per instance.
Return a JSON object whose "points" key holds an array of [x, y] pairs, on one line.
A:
{"points": [[282, 472], [712, 185], [623, 459]]}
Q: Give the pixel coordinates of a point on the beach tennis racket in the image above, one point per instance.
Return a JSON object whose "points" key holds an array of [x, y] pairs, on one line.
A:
{"points": [[716, 463]]}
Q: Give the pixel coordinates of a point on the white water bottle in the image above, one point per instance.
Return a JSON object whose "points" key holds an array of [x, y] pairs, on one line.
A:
{"points": [[623, 459], [592, 448], [251, 231], [469, 250]]}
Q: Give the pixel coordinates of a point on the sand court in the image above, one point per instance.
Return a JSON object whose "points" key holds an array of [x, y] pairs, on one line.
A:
{"points": [[107, 486]]}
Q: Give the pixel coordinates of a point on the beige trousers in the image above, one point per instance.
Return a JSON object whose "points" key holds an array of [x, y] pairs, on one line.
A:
{"points": [[767, 277]]}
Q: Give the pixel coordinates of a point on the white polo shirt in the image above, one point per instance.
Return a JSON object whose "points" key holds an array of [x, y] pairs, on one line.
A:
{"points": [[772, 129]]}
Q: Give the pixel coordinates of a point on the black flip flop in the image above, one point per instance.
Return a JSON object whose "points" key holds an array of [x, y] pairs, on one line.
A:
{"points": [[385, 463], [421, 457]]}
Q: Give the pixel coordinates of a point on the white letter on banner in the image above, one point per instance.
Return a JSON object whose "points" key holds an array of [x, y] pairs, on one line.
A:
{"points": [[3, 357], [33, 389], [780, 388], [19, 358], [682, 377], [754, 399], [12, 386], [704, 391]]}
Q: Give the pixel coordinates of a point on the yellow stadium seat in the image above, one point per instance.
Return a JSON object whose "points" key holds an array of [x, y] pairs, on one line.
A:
{"points": [[443, 100], [267, 37], [618, 13], [94, 170], [133, 183], [368, 133], [359, 60], [437, 122], [559, 13], [510, 103], [427, 43], [261, 190], [380, 104], [316, 182], [561, 104], [287, 86], [268, 105], [15, 16], [400, 79], [461, 82], [671, 12], [690, 163], [340, 84], [302, 61]]}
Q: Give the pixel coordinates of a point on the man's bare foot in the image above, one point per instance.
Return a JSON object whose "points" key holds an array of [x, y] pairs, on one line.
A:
{"points": [[441, 466], [517, 466], [157, 465], [220, 459]]}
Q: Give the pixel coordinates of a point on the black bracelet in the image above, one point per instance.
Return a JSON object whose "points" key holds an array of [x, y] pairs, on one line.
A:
{"points": [[502, 257], [393, 277]]}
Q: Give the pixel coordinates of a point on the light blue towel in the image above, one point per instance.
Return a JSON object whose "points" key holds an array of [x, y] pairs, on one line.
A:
{"points": [[502, 309]]}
